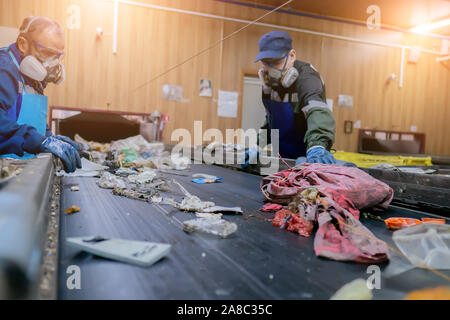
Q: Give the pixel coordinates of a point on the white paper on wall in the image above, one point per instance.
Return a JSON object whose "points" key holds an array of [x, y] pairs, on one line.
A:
{"points": [[172, 92], [228, 104]]}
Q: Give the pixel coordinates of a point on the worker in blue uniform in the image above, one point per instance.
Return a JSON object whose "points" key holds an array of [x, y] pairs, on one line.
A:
{"points": [[26, 67], [293, 94]]}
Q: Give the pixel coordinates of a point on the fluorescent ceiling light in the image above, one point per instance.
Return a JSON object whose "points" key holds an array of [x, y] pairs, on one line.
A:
{"points": [[431, 26]]}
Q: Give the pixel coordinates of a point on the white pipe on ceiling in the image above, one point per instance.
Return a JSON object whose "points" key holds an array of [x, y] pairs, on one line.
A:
{"points": [[322, 34]]}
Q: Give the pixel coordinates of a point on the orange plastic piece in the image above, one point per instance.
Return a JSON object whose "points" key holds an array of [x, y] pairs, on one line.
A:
{"points": [[400, 223], [72, 209], [433, 220]]}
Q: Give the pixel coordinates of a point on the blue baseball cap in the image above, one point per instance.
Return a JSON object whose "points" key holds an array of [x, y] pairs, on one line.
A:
{"points": [[273, 45]]}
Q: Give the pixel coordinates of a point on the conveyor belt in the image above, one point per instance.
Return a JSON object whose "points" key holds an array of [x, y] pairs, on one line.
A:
{"points": [[259, 261]]}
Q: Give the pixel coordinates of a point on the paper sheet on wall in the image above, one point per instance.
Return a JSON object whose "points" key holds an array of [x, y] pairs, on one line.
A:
{"points": [[228, 104]]}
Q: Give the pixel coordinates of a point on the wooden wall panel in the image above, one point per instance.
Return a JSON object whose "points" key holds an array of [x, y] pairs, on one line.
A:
{"points": [[151, 41]]}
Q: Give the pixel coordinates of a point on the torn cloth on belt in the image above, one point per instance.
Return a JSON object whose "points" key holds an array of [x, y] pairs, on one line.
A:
{"points": [[338, 193]]}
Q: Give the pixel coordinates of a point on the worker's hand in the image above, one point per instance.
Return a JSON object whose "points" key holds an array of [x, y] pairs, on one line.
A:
{"points": [[69, 141], [319, 154], [63, 150], [250, 157]]}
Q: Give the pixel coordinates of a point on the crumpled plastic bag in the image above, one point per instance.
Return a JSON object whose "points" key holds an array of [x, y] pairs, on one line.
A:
{"points": [[218, 227], [110, 181], [425, 245], [142, 178]]}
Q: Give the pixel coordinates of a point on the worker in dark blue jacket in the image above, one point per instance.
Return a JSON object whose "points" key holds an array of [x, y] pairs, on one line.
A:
{"points": [[294, 98], [26, 67]]}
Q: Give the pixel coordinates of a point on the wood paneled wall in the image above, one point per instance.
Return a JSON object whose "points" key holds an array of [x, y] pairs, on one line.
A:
{"points": [[150, 41]]}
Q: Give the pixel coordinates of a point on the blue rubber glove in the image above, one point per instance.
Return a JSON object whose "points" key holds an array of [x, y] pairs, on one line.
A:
{"points": [[319, 154], [250, 157], [68, 154], [69, 141]]}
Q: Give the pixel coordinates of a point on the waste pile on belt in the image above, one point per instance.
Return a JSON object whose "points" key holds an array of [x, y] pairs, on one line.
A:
{"points": [[330, 197]]}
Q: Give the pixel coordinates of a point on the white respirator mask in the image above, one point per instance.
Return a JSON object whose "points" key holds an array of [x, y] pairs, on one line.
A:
{"points": [[49, 70], [274, 77]]}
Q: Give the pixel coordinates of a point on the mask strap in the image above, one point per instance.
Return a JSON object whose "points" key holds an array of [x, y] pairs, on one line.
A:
{"points": [[285, 62], [29, 25]]}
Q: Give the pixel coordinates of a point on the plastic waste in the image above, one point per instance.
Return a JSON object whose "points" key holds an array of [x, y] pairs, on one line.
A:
{"points": [[397, 223], [425, 245], [130, 155], [144, 177], [202, 178], [208, 215], [218, 227], [88, 169], [193, 203], [110, 181], [214, 209], [125, 172]]}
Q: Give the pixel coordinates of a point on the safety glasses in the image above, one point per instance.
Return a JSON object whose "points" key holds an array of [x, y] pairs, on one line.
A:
{"points": [[273, 63], [47, 53]]}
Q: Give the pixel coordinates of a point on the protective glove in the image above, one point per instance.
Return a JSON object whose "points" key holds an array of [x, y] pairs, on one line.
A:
{"points": [[319, 154], [63, 150], [250, 157], [69, 141]]}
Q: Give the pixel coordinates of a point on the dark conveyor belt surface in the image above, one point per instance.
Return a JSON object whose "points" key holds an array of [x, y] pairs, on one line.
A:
{"points": [[258, 261]]}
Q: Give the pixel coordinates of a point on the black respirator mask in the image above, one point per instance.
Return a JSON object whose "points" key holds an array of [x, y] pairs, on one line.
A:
{"points": [[275, 78]]}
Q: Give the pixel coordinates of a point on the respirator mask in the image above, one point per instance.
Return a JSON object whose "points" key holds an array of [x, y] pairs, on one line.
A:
{"points": [[275, 78], [44, 69], [49, 70]]}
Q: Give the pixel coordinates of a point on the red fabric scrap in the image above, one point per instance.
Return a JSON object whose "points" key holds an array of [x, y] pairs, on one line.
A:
{"points": [[271, 207], [295, 223]]}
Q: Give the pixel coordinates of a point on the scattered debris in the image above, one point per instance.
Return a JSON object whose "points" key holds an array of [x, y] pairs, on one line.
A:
{"points": [[292, 222], [271, 207], [223, 209], [91, 145], [367, 215], [72, 209], [125, 172], [208, 215], [397, 223], [202, 178], [206, 181], [7, 172], [133, 194], [193, 203], [139, 144], [218, 227], [88, 169], [142, 178], [355, 290], [110, 181]]}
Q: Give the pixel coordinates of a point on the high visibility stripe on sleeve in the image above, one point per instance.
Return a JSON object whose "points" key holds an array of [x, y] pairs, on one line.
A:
{"points": [[315, 104]]}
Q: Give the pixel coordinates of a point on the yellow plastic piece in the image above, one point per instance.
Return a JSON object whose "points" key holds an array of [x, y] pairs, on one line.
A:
{"points": [[368, 160]]}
